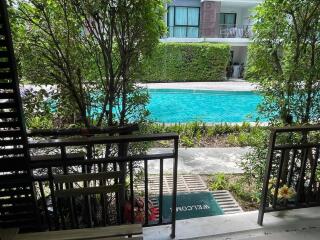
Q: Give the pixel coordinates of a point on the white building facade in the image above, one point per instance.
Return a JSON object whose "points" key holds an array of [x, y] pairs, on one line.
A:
{"points": [[224, 21]]}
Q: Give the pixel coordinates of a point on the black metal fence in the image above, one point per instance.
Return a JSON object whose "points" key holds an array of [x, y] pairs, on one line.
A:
{"points": [[101, 154], [292, 177]]}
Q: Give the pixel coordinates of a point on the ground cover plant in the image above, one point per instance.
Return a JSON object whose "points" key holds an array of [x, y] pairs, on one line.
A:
{"points": [[200, 134]]}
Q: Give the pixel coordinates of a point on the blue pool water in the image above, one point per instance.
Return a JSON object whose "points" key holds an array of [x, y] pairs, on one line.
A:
{"points": [[173, 106]]}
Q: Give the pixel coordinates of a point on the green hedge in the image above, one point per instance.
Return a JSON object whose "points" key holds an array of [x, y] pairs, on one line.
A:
{"points": [[171, 62]]}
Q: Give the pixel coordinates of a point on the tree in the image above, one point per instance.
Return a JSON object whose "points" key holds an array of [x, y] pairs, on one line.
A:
{"points": [[53, 51], [284, 60], [89, 50], [125, 30]]}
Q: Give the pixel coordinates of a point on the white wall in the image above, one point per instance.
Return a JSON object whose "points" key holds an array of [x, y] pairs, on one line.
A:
{"points": [[239, 54], [246, 13], [243, 14]]}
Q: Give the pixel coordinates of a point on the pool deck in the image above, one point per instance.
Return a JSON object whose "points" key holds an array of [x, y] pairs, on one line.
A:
{"points": [[231, 85]]}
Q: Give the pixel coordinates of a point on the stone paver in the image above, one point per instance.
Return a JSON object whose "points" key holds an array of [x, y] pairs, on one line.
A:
{"points": [[202, 160], [218, 86]]}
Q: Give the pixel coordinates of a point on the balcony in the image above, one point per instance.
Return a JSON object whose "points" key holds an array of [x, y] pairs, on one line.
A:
{"points": [[235, 31]]}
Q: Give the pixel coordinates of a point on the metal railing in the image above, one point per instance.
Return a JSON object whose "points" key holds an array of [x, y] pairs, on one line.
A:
{"points": [[235, 31], [101, 153], [61, 132], [291, 178]]}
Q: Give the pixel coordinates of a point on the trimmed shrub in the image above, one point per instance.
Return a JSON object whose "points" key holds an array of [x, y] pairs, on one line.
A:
{"points": [[172, 62]]}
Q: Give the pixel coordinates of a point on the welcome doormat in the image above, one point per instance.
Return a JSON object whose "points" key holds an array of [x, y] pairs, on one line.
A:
{"points": [[191, 205]]}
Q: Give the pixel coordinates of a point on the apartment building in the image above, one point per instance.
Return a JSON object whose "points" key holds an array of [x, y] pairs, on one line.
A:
{"points": [[224, 21]]}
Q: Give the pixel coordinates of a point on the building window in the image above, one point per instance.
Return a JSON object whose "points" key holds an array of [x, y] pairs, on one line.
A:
{"points": [[228, 19], [183, 22]]}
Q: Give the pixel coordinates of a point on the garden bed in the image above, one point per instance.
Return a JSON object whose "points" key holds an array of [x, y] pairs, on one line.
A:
{"points": [[199, 134]]}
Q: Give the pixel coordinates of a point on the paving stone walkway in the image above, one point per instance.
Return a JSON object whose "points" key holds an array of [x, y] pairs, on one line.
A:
{"points": [[203, 160]]}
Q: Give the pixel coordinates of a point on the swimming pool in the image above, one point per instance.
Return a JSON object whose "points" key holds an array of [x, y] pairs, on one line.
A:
{"points": [[174, 106]]}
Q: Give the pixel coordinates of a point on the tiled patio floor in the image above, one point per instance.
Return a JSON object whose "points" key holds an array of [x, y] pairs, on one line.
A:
{"points": [[284, 225]]}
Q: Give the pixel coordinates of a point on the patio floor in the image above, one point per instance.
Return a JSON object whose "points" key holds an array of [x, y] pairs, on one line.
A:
{"points": [[290, 224], [231, 85]]}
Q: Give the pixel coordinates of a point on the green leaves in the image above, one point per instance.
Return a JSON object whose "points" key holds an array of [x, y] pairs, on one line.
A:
{"points": [[185, 62], [284, 59], [85, 46]]}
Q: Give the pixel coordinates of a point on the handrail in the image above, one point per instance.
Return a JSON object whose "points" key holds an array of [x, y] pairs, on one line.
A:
{"points": [[296, 146], [81, 131], [101, 139], [132, 158], [297, 128]]}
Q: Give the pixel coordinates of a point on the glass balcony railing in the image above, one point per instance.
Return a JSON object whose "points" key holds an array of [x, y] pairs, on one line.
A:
{"points": [[235, 31], [183, 32], [224, 31]]}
